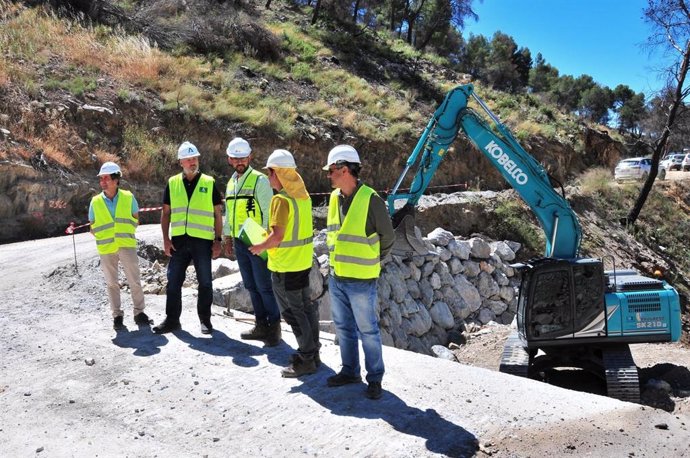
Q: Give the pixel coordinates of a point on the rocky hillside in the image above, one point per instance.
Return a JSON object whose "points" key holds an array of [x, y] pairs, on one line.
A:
{"points": [[75, 92]]}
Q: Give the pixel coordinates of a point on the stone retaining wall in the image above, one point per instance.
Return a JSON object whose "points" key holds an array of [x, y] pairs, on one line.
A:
{"points": [[421, 300]]}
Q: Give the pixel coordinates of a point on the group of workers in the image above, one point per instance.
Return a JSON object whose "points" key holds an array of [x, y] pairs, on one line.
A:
{"points": [[359, 236]]}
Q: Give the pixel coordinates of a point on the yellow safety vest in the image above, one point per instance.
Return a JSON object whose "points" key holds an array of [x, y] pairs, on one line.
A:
{"points": [[114, 233], [294, 254], [192, 217], [242, 204], [352, 253]]}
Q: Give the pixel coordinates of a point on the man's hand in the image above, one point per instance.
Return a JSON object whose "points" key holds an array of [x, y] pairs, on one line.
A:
{"points": [[215, 249], [229, 249], [168, 247]]}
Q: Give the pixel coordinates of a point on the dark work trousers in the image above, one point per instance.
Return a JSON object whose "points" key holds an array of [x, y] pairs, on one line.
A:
{"points": [[292, 292], [257, 279], [189, 249]]}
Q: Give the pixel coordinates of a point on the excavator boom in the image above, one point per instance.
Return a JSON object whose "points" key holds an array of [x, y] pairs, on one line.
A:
{"points": [[520, 170]]}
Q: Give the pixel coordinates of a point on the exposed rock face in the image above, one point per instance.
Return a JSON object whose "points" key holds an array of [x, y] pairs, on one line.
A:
{"points": [[422, 299]]}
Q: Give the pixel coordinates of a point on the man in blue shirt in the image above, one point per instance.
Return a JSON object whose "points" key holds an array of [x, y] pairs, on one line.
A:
{"points": [[114, 226]]}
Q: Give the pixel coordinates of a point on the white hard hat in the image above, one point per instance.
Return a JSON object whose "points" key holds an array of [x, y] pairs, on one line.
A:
{"points": [[342, 153], [238, 148], [187, 150], [108, 168], [281, 158]]}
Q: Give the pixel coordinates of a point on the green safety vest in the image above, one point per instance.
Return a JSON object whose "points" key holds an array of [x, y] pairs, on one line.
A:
{"points": [[113, 234], [352, 254], [193, 217], [294, 254], [242, 204]]}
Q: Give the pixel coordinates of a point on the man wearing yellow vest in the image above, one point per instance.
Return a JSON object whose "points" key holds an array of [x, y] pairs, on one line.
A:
{"points": [[359, 236], [114, 217], [192, 215], [290, 252], [248, 196]]}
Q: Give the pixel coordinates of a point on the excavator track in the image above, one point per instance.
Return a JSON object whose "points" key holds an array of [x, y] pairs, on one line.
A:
{"points": [[515, 358], [622, 381]]}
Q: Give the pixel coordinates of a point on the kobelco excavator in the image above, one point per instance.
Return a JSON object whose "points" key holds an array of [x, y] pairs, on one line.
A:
{"points": [[571, 312]]}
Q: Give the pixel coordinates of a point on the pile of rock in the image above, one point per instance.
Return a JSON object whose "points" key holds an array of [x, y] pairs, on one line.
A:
{"points": [[423, 299]]}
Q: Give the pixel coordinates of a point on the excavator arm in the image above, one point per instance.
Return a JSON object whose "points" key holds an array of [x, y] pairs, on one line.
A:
{"points": [[520, 170]]}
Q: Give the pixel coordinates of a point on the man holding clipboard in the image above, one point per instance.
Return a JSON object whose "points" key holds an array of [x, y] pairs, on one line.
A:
{"points": [[247, 201]]}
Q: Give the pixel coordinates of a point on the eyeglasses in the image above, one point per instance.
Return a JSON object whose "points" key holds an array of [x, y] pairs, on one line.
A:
{"points": [[331, 170]]}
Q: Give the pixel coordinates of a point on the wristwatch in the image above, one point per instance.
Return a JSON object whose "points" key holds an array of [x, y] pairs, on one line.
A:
{"points": [[219, 239]]}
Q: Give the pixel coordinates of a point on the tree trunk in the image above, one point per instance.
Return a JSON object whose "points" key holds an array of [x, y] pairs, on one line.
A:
{"points": [[315, 16], [661, 143], [354, 14]]}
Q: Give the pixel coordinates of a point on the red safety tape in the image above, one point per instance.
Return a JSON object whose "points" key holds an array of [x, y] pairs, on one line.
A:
{"points": [[73, 227]]}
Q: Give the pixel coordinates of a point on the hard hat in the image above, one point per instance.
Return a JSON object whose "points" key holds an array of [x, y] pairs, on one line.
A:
{"points": [[281, 158], [342, 153], [238, 148], [108, 168], [187, 150]]}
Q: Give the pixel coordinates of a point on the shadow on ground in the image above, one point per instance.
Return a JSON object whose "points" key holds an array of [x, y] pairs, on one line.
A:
{"points": [[441, 435]]}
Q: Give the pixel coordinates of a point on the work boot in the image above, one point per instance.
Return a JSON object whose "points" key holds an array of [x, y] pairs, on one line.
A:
{"points": [[166, 326], [118, 325], [295, 356], [206, 326], [142, 319], [374, 390], [341, 379], [273, 334], [299, 368], [258, 332]]}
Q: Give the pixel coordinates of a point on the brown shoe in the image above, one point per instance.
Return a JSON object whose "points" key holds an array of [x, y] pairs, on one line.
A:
{"points": [[299, 368], [273, 334], [317, 359], [258, 332]]}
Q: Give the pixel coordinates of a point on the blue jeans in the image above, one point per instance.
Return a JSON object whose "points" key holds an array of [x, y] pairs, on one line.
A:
{"points": [[189, 249], [353, 305], [257, 279]]}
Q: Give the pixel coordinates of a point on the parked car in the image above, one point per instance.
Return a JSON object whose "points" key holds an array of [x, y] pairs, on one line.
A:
{"points": [[673, 161], [685, 165], [636, 168]]}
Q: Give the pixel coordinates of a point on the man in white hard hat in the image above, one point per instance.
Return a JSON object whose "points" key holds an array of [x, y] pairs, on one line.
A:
{"points": [[359, 235], [290, 250], [114, 216], [192, 215], [248, 196]]}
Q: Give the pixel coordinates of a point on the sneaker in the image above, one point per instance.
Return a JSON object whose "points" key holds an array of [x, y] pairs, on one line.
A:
{"points": [[166, 326], [293, 357], [374, 390], [341, 379], [118, 325], [142, 319], [206, 326], [299, 368]]}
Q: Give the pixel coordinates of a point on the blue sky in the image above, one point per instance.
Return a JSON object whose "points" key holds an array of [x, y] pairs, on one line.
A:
{"points": [[600, 38]]}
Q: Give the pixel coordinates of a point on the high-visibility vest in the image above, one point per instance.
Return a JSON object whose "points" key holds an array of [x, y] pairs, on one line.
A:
{"points": [[242, 204], [113, 233], [352, 253], [294, 254], [192, 217]]}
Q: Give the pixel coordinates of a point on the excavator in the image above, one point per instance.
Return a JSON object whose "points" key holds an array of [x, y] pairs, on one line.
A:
{"points": [[571, 313]]}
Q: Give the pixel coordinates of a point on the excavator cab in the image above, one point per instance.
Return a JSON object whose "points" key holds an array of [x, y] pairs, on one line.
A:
{"points": [[561, 299]]}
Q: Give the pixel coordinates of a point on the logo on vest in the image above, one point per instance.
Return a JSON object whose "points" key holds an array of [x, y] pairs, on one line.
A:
{"points": [[506, 162], [203, 189]]}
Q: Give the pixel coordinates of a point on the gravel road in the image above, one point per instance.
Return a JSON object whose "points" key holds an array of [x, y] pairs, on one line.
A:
{"points": [[71, 386]]}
